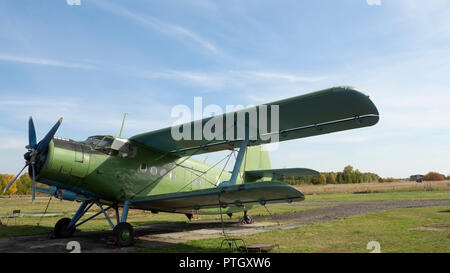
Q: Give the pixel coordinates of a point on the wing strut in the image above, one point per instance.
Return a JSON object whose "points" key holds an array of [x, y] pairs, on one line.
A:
{"points": [[238, 164]]}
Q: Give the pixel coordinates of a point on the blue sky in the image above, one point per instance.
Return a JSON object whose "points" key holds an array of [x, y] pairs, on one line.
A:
{"points": [[93, 62]]}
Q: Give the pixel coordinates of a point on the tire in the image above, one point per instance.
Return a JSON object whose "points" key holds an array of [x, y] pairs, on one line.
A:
{"points": [[248, 219], [124, 234], [61, 231]]}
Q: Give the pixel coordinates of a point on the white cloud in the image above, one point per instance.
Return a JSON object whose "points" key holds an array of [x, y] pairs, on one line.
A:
{"points": [[81, 118], [159, 26], [373, 2], [232, 78], [280, 76], [43, 61], [201, 79]]}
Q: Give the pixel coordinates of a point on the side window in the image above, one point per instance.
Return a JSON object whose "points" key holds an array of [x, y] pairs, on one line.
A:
{"points": [[153, 170], [143, 167], [173, 175]]}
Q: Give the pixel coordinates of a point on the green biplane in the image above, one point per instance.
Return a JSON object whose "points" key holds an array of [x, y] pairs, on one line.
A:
{"points": [[152, 171]]}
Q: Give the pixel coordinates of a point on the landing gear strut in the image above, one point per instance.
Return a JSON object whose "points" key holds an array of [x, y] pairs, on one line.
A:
{"points": [[122, 231]]}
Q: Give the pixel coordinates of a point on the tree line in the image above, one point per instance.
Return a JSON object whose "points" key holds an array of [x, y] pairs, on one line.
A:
{"points": [[350, 175], [347, 176], [21, 186]]}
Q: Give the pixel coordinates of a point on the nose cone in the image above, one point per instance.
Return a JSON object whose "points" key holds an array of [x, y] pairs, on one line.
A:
{"points": [[27, 156]]}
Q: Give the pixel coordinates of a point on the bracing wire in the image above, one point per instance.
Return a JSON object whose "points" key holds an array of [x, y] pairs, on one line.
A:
{"points": [[271, 214], [46, 208]]}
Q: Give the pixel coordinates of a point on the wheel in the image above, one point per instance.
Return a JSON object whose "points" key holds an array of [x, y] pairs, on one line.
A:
{"points": [[247, 219], [124, 234], [61, 230]]}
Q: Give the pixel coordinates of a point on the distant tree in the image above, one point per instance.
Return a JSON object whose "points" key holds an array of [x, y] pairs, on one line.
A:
{"points": [[331, 178], [322, 178], [367, 178], [348, 175], [433, 176], [4, 180], [24, 184], [340, 178], [358, 177], [387, 179], [315, 180], [348, 169]]}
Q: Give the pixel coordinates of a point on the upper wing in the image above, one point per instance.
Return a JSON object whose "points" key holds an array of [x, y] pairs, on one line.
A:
{"points": [[321, 112], [229, 196], [279, 174]]}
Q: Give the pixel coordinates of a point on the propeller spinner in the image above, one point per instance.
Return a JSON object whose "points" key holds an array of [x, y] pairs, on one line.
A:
{"points": [[34, 151]]}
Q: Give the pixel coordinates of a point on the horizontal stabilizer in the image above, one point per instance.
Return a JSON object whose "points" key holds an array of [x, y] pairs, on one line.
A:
{"points": [[279, 174]]}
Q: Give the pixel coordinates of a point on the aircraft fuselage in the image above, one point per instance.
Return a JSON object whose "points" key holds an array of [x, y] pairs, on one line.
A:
{"points": [[118, 172]]}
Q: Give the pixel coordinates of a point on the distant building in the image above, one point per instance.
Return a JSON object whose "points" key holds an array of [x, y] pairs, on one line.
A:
{"points": [[416, 177]]}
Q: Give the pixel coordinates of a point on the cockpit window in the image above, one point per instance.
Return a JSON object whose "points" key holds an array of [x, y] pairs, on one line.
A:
{"points": [[93, 140], [106, 142], [112, 146], [119, 143], [102, 143]]}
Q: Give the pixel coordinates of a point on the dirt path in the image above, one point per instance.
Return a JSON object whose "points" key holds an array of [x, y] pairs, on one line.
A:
{"points": [[164, 234], [344, 209]]}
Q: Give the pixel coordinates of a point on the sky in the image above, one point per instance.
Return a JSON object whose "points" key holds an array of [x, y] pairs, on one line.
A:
{"points": [[91, 63]]}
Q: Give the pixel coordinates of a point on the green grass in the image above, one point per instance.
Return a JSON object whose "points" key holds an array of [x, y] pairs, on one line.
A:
{"points": [[27, 225], [400, 230], [382, 196]]}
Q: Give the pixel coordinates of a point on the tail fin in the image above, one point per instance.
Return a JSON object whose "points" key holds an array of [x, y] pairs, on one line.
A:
{"points": [[257, 158]]}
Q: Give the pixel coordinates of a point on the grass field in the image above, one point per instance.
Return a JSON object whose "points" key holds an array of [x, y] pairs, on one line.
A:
{"points": [[381, 196], [401, 230], [28, 225], [375, 187]]}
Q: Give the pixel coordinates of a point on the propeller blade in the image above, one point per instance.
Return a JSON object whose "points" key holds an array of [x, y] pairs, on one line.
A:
{"points": [[33, 185], [46, 140], [31, 134], [14, 179]]}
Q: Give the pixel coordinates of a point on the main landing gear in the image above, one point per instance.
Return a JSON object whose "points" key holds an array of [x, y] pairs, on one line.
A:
{"points": [[123, 232], [247, 219], [62, 229]]}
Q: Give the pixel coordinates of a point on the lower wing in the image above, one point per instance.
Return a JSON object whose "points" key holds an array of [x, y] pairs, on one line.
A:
{"points": [[236, 196]]}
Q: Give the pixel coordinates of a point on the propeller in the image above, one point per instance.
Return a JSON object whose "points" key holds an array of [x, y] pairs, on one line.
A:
{"points": [[34, 151]]}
